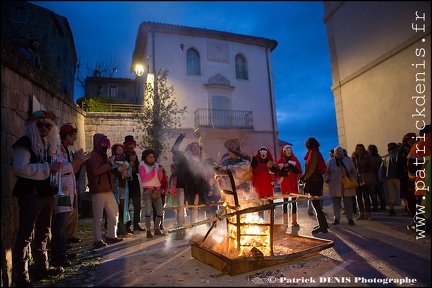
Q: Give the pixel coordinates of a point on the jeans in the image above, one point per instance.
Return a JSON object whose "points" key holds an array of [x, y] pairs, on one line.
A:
{"points": [[135, 195], [375, 193], [363, 199], [148, 209]]}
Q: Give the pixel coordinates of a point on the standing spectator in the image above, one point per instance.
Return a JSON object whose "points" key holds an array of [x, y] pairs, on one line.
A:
{"points": [[191, 179], [133, 184], [164, 189], [338, 167], [406, 186], [101, 186], [376, 190], [72, 223], [313, 179], [389, 174], [121, 187], [151, 177], [289, 172], [364, 164], [310, 206], [31, 54], [33, 167], [197, 183], [263, 174], [182, 171], [354, 198], [65, 205]]}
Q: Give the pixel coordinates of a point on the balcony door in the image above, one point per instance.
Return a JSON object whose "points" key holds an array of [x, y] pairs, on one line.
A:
{"points": [[219, 113]]}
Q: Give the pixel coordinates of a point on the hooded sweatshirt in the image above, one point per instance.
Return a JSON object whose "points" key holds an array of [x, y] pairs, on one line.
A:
{"points": [[100, 178]]}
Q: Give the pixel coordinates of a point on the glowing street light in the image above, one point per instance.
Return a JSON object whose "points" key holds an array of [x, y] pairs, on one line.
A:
{"points": [[139, 70]]}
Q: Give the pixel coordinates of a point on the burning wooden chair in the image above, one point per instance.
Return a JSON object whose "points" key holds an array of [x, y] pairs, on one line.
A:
{"points": [[249, 242]]}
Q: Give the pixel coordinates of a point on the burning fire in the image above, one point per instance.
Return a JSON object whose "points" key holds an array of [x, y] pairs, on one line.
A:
{"points": [[252, 235]]}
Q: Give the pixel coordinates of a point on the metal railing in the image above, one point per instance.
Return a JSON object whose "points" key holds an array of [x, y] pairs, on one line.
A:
{"points": [[114, 107], [219, 118]]}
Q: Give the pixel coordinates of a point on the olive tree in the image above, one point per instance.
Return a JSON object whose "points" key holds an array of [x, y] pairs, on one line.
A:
{"points": [[160, 116]]}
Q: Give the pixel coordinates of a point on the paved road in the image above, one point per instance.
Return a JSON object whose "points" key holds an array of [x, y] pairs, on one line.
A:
{"points": [[365, 255]]}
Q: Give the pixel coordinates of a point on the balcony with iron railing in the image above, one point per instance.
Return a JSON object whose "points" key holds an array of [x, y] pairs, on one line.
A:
{"points": [[204, 118], [219, 118]]}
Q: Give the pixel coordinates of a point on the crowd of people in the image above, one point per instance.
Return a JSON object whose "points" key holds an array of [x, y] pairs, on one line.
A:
{"points": [[47, 173]]}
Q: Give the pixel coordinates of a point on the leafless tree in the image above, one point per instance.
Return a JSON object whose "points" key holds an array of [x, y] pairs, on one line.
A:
{"points": [[101, 69]]}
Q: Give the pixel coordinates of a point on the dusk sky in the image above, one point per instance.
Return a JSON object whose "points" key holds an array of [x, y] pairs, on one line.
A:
{"points": [[301, 61]]}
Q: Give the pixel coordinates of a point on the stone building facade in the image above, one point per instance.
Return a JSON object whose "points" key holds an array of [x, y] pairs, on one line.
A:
{"points": [[22, 21]]}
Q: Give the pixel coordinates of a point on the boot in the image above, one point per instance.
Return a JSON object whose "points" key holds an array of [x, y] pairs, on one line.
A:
{"points": [[369, 216], [361, 217], [322, 221], [294, 220], [285, 219]]}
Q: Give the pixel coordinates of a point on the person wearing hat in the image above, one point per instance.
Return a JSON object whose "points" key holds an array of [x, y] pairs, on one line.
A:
{"points": [[234, 154], [69, 131], [390, 175], [192, 181], [134, 185], [66, 210], [33, 166], [239, 163]]}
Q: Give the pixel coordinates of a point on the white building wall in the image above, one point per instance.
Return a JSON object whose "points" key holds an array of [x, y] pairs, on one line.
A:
{"points": [[378, 65], [252, 94]]}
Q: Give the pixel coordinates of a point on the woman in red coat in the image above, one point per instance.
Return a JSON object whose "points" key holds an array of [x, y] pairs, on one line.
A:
{"points": [[289, 172], [263, 174]]}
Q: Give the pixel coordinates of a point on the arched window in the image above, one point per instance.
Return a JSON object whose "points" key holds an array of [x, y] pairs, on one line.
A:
{"points": [[192, 62], [241, 67]]}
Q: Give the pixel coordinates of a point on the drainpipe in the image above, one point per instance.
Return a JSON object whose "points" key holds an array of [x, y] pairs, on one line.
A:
{"points": [[153, 54], [271, 102]]}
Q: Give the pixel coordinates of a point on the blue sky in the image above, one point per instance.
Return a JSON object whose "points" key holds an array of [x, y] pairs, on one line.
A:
{"points": [[301, 62]]}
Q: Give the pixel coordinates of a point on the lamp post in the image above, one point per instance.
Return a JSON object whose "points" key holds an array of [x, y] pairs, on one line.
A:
{"points": [[139, 70]]}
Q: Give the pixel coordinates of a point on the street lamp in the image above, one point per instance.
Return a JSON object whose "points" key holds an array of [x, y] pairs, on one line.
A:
{"points": [[139, 70]]}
